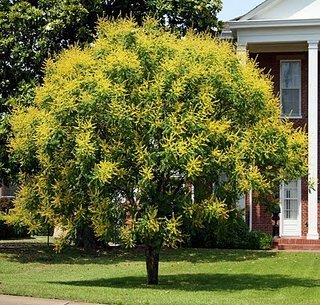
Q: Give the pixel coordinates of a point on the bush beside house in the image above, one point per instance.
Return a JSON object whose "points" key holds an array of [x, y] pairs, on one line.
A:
{"points": [[232, 233]]}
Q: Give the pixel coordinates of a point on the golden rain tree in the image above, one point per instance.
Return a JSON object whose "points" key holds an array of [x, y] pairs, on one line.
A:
{"points": [[120, 130]]}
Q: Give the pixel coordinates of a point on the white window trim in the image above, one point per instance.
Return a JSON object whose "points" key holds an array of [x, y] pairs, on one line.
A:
{"points": [[300, 89]]}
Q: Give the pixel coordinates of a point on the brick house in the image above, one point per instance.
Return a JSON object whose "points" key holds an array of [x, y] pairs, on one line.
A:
{"points": [[283, 36]]}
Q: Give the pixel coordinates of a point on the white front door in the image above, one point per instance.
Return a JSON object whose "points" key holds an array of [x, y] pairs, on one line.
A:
{"points": [[290, 198]]}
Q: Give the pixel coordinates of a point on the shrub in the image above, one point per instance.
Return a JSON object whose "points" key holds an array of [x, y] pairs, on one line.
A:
{"points": [[233, 233], [259, 240], [12, 231], [205, 237]]}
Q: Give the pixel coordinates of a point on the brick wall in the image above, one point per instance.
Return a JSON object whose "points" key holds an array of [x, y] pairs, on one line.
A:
{"points": [[270, 62], [261, 220]]}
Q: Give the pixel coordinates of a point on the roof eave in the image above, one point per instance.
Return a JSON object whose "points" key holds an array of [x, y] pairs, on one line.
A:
{"points": [[247, 24]]}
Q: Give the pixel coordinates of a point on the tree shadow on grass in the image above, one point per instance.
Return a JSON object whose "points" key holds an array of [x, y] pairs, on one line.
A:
{"points": [[201, 282], [43, 254]]}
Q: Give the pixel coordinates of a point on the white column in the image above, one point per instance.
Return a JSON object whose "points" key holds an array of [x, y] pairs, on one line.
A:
{"points": [[313, 140], [242, 52], [250, 210]]}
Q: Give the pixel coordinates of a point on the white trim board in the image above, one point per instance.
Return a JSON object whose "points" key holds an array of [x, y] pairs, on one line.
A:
{"points": [[283, 35]]}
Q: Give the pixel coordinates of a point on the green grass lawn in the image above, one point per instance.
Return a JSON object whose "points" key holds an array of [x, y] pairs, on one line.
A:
{"points": [[187, 276]]}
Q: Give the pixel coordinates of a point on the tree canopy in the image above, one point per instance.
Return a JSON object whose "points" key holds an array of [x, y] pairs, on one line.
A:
{"points": [[33, 30], [120, 130]]}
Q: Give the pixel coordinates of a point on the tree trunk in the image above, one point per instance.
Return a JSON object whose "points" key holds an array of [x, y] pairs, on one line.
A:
{"points": [[85, 237], [152, 264]]}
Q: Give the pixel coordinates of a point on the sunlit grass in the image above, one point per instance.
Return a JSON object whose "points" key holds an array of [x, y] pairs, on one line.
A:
{"points": [[187, 276]]}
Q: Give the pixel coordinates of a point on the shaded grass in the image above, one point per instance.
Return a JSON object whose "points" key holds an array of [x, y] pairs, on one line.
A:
{"points": [[187, 276], [203, 282]]}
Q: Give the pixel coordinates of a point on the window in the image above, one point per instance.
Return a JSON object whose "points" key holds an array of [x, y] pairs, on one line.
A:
{"points": [[290, 87], [291, 200]]}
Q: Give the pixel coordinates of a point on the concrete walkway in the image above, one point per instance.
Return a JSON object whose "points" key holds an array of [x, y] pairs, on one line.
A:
{"points": [[17, 300]]}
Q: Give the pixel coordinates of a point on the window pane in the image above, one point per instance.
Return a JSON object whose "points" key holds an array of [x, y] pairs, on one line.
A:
{"points": [[290, 100], [294, 193], [291, 209], [290, 75], [292, 184], [290, 88], [291, 200], [291, 193], [287, 194]]}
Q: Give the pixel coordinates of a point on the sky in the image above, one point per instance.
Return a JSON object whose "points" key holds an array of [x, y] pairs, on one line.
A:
{"points": [[236, 8]]}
